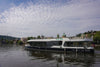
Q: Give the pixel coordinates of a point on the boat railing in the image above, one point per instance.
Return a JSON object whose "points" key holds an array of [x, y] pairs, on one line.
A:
{"points": [[85, 38]]}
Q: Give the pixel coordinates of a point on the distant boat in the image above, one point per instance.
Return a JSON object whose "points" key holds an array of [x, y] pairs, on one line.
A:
{"points": [[62, 44]]}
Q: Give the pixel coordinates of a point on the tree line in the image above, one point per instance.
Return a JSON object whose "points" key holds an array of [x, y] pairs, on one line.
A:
{"points": [[88, 34]]}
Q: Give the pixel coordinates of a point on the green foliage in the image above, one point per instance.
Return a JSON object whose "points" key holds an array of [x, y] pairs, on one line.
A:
{"points": [[6, 41], [8, 37], [95, 34], [89, 33], [57, 35], [64, 35], [78, 35], [19, 42], [38, 37], [30, 38], [97, 37]]}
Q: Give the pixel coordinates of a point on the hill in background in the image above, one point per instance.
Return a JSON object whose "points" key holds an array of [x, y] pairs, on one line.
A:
{"points": [[8, 37], [95, 34]]}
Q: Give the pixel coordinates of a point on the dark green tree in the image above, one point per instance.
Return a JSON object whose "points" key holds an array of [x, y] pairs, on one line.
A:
{"points": [[57, 35], [79, 35], [38, 37], [30, 38], [97, 37]]}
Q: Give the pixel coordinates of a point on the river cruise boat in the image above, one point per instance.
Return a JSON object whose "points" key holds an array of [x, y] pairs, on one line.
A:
{"points": [[62, 44]]}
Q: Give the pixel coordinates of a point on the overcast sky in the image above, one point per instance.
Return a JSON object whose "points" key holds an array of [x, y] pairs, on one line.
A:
{"points": [[22, 18]]}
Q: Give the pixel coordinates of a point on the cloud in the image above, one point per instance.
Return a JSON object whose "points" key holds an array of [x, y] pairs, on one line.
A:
{"points": [[50, 19]]}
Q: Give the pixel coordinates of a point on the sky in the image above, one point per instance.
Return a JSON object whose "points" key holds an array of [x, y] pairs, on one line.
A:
{"points": [[24, 18]]}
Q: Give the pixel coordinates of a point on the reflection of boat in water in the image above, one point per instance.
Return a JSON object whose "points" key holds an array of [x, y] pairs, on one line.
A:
{"points": [[63, 44], [70, 58]]}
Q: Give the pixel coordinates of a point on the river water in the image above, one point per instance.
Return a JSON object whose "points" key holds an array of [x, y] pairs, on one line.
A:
{"points": [[17, 56]]}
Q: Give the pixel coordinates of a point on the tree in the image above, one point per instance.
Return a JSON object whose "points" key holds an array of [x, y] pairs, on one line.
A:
{"points": [[30, 38], [19, 42], [38, 37], [57, 35], [97, 37], [79, 35], [64, 35]]}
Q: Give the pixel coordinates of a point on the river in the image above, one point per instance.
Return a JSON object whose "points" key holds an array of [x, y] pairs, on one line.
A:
{"points": [[17, 56]]}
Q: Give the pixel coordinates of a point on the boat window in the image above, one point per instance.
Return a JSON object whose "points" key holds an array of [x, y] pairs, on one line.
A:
{"points": [[69, 44], [80, 44], [57, 43], [87, 44], [77, 44], [45, 44], [42, 44]]}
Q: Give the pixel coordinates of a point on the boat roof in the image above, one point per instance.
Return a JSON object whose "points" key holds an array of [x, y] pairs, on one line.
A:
{"points": [[59, 39], [44, 40], [73, 40]]}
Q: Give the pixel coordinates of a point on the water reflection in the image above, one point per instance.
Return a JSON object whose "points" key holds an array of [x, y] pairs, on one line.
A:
{"points": [[85, 60], [16, 56]]}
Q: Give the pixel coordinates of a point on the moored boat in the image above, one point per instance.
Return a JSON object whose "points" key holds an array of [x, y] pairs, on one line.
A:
{"points": [[62, 44]]}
